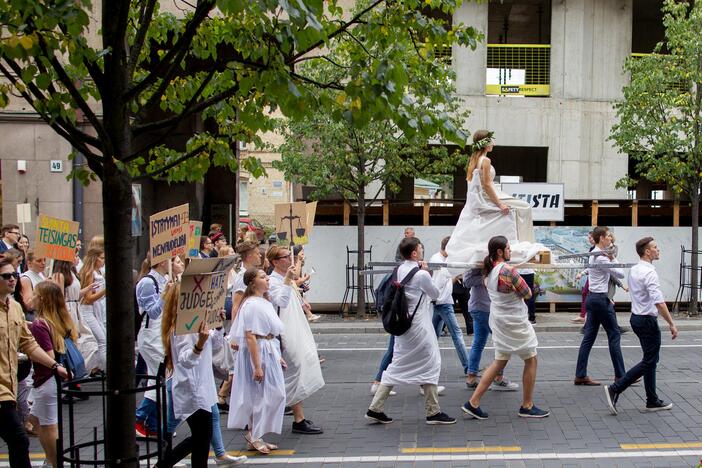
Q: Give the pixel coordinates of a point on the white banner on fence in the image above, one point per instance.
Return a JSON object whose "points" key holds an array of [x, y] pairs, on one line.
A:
{"points": [[546, 200]]}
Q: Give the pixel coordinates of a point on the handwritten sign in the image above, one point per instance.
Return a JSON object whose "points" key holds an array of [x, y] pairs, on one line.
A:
{"points": [[194, 238], [203, 290], [56, 238], [168, 233], [294, 222]]}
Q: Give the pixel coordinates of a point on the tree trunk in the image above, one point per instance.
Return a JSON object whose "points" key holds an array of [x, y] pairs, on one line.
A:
{"points": [[361, 231], [120, 439], [694, 261]]}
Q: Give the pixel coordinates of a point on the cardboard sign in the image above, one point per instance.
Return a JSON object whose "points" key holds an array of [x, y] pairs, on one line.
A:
{"points": [[24, 213], [294, 221], [203, 289], [168, 233], [311, 209], [194, 234], [56, 238]]}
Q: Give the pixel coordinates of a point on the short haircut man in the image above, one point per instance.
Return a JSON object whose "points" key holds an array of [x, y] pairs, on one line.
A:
{"points": [[598, 233], [9, 227], [409, 231], [407, 246], [444, 242], [642, 245]]}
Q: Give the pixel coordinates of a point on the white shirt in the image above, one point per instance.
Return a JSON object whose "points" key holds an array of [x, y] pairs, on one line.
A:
{"points": [[599, 277], [442, 280], [644, 289], [193, 381], [278, 292]]}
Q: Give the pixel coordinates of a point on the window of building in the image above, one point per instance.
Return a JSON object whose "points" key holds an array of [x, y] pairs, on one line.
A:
{"points": [[243, 197], [519, 53]]}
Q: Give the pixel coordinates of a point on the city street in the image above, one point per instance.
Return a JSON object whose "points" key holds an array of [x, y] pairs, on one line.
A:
{"points": [[579, 432]]}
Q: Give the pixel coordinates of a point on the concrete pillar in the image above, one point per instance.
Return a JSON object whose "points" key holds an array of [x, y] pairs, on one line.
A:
{"points": [[470, 64], [590, 40]]}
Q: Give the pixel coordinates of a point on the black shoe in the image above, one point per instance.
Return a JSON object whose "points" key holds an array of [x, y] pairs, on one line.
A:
{"points": [[440, 419], [612, 398], [532, 321], [469, 331], [288, 411], [477, 413], [658, 405], [305, 427], [223, 407], [381, 418]]}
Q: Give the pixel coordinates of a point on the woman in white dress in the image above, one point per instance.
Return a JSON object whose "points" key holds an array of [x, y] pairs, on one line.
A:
{"points": [[64, 274], [489, 212], [92, 310], [258, 398]]}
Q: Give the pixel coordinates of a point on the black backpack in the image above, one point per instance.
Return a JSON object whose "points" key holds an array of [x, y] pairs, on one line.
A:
{"points": [[395, 313], [138, 316]]}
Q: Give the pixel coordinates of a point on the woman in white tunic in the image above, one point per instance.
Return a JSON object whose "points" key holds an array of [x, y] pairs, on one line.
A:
{"points": [[258, 398], [416, 358], [303, 376], [489, 212], [91, 305], [64, 274], [512, 333]]}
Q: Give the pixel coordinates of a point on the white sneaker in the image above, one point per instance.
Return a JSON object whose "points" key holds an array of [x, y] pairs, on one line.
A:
{"points": [[503, 385], [374, 388], [229, 460], [439, 390]]}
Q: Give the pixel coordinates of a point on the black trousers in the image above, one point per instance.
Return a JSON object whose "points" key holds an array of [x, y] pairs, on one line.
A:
{"points": [[531, 302], [197, 444], [461, 296], [646, 328], [13, 433]]}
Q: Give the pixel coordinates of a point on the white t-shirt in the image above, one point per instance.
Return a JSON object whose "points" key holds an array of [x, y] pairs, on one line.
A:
{"points": [[442, 280]]}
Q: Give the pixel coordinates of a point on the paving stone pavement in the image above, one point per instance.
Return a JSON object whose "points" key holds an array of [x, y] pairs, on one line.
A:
{"points": [[579, 424]]}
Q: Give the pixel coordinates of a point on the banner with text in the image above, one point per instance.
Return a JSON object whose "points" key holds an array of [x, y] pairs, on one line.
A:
{"points": [[56, 238], [546, 200], [168, 233], [203, 289]]}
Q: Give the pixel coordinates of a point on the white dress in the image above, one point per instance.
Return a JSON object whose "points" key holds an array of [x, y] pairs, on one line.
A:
{"points": [[258, 405], [416, 358], [481, 220], [87, 345], [303, 377], [512, 333]]}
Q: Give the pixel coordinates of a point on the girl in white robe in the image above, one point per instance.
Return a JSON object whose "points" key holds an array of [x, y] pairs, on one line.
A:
{"points": [[258, 398], [489, 212]]}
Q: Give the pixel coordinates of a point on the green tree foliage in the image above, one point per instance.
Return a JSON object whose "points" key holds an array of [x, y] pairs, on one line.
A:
{"points": [[660, 117], [119, 86]]}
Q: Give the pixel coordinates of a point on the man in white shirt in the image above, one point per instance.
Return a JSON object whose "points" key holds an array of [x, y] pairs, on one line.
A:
{"points": [[416, 358], [600, 310], [646, 303], [443, 306]]}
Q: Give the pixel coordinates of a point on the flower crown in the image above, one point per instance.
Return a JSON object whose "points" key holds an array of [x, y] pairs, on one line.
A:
{"points": [[482, 143]]}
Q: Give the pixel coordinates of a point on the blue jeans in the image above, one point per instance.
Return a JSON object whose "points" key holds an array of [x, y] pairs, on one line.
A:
{"points": [[216, 442], [646, 328], [443, 313], [387, 358], [600, 311], [146, 412], [481, 330]]}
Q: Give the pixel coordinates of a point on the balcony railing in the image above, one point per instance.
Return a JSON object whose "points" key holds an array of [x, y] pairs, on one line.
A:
{"points": [[518, 69], [681, 86]]}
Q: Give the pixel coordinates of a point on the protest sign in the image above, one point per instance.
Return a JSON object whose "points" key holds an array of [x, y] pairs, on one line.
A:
{"points": [[56, 238], [203, 288], [168, 233], [311, 209], [194, 238], [291, 223]]}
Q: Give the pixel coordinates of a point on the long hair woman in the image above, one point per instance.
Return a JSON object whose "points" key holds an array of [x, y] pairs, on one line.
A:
{"points": [[65, 275], [258, 398], [92, 304], [51, 326], [189, 364]]}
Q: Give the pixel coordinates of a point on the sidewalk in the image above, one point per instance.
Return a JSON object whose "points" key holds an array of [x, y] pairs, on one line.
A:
{"points": [[545, 322]]}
